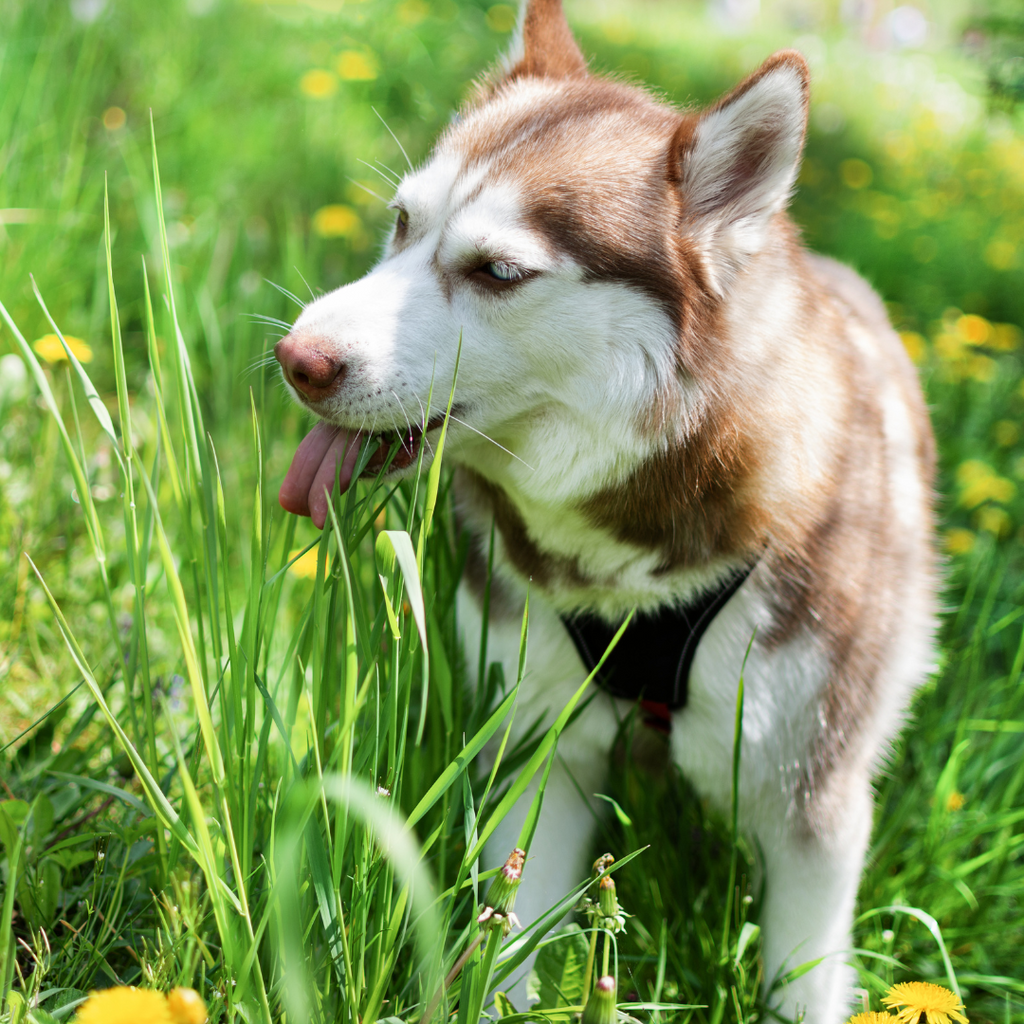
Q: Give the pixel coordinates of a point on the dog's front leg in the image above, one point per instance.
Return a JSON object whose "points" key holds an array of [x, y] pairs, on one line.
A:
{"points": [[559, 853]]}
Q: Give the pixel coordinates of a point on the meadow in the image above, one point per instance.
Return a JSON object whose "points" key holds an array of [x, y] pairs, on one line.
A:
{"points": [[237, 754]]}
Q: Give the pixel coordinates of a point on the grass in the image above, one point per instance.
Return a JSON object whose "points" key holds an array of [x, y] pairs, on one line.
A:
{"points": [[234, 767]]}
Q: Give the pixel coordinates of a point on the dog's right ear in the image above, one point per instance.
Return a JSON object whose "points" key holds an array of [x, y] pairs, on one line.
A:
{"points": [[543, 45]]}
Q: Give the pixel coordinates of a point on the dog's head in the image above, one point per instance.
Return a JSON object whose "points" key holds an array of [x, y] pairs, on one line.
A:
{"points": [[576, 237]]}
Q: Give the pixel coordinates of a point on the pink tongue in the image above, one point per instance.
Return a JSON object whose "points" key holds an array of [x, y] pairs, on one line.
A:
{"points": [[313, 470]]}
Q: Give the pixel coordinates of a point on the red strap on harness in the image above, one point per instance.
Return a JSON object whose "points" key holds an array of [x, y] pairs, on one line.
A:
{"points": [[657, 716]]}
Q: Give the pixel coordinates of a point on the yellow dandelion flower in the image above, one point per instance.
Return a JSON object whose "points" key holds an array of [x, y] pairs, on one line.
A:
{"points": [[914, 999], [855, 173], [995, 520], [871, 1017], [949, 345], [955, 801], [49, 348], [1005, 337], [318, 84], [959, 542], [915, 345], [1000, 254], [125, 1006], [304, 567], [979, 483], [975, 330], [186, 1006], [335, 221], [412, 12], [355, 66], [982, 368]]}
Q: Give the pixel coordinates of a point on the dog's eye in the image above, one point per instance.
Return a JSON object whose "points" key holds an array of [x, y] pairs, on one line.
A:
{"points": [[502, 271], [499, 274]]}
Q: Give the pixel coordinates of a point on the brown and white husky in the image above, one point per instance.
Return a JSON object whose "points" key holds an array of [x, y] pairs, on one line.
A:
{"points": [[658, 387]]}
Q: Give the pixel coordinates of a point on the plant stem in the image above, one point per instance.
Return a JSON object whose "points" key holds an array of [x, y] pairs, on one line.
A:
{"points": [[452, 975], [487, 972], [588, 974]]}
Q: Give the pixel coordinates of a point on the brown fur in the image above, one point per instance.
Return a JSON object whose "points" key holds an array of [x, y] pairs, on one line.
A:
{"points": [[542, 567]]}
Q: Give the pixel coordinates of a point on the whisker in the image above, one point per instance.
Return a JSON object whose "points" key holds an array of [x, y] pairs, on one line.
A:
{"points": [[401, 431], [394, 136], [251, 371], [312, 294], [423, 412], [392, 181], [394, 174], [369, 191], [287, 294], [402, 407], [491, 439], [270, 321], [260, 363]]}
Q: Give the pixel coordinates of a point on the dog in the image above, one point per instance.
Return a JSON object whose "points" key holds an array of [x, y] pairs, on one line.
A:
{"points": [[664, 404]]}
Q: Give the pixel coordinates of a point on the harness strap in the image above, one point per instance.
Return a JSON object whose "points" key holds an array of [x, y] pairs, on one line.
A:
{"points": [[652, 659]]}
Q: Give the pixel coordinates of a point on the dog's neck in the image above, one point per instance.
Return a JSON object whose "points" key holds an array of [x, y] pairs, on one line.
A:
{"points": [[672, 517]]}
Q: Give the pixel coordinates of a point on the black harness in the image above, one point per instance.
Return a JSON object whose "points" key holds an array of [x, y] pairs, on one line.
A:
{"points": [[652, 659]]}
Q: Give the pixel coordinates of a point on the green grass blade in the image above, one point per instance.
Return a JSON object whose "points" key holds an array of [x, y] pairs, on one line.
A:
{"points": [[154, 793], [462, 760]]}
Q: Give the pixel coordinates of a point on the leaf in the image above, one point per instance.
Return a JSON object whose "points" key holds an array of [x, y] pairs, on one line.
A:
{"points": [[799, 972], [38, 1016], [39, 893], [748, 933], [624, 818], [503, 1005], [395, 545], [104, 787], [931, 924], [42, 821], [463, 760], [557, 977], [12, 814]]}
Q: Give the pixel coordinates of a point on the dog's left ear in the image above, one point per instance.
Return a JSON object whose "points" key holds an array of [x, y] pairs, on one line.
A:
{"points": [[737, 164], [543, 45]]}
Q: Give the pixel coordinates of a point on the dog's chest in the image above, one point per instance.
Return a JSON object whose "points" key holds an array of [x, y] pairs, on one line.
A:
{"points": [[576, 565]]}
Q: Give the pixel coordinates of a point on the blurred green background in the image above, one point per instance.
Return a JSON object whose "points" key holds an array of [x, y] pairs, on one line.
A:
{"points": [[279, 130]]}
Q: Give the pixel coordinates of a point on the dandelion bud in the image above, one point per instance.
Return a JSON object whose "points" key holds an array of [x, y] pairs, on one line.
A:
{"points": [[606, 898], [608, 914], [502, 893], [600, 1008], [501, 897]]}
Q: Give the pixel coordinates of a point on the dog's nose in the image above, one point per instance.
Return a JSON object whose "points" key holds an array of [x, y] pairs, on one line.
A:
{"points": [[309, 364]]}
